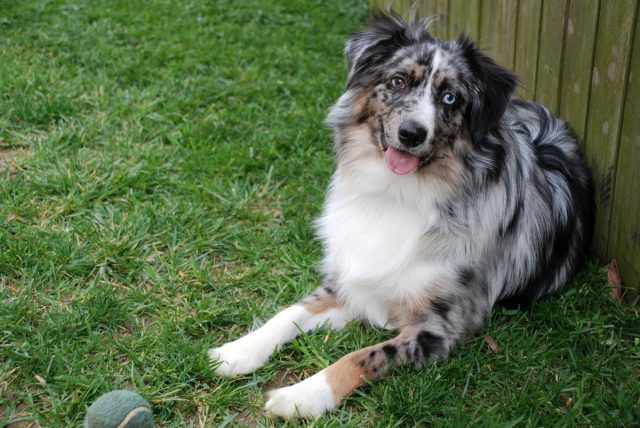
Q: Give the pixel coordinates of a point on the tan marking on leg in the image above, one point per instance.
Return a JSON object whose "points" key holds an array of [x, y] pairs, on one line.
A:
{"points": [[355, 369], [320, 305], [345, 375]]}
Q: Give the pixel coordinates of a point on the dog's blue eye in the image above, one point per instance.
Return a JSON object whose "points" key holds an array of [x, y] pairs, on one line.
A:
{"points": [[449, 98]]}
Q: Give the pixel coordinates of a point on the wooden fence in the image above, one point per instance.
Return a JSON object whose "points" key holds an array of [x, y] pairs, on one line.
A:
{"points": [[581, 58]]}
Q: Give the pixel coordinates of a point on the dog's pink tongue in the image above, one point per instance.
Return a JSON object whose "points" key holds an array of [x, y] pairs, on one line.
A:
{"points": [[400, 162]]}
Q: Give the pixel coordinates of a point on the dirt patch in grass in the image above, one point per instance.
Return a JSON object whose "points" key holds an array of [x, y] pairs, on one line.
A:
{"points": [[17, 417], [9, 157], [281, 378], [247, 418]]}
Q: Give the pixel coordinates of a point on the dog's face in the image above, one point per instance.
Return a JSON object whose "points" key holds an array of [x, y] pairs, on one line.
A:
{"points": [[424, 99]]}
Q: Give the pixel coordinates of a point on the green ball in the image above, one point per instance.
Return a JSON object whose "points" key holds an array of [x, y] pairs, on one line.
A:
{"points": [[119, 409]]}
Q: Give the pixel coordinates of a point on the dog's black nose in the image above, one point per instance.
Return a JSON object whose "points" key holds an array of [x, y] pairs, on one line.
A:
{"points": [[411, 134]]}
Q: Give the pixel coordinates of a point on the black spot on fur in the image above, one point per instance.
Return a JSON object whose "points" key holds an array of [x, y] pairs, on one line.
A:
{"points": [[450, 209], [372, 354], [329, 290], [390, 351], [483, 285], [407, 354], [429, 343], [552, 158], [426, 61], [513, 222], [416, 354], [487, 158], [441, 307], [466, 275], [383, 137]]}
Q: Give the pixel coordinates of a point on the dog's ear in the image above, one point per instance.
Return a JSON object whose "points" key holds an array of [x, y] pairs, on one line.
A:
{"points": [[369, 49], [364, 44], [493, 88]]}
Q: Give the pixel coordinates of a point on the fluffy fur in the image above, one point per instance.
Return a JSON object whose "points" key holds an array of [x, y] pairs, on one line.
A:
{"points": [[449, 197]]}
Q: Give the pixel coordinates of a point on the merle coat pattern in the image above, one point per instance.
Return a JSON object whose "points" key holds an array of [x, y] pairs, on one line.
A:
{"points": [[449, 197]]}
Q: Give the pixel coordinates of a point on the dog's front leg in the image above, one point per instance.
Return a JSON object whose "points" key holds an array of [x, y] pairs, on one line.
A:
{"points": [[322, 392], [250, 352]]}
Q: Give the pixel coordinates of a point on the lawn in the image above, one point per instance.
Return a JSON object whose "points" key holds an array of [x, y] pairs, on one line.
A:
{"points": [[161, 164]]}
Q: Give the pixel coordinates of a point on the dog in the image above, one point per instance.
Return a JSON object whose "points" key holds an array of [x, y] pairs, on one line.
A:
{"points": [[449, 196]]}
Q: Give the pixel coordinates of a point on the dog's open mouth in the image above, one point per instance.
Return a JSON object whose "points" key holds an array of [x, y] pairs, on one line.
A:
{"points": [[400, 162]]}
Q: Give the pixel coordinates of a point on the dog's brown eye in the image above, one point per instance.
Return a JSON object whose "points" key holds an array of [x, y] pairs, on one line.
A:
{"points": [[396, 82]]}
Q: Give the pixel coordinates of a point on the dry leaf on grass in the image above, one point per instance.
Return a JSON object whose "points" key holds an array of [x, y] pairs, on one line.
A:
{"points": [[491, 342], [615, 282]]}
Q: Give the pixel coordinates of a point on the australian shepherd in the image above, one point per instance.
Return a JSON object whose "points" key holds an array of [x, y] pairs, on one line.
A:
{"points": [[449, 197]]}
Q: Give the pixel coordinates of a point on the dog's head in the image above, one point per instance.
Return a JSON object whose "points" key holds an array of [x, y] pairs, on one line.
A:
{"points": [[422, 98]]}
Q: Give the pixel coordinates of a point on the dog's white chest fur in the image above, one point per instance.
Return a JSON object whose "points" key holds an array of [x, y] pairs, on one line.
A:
{"points": [[373, 229]]}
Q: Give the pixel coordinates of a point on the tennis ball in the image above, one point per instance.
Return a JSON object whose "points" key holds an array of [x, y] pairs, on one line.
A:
{"points": [[119, 409]]}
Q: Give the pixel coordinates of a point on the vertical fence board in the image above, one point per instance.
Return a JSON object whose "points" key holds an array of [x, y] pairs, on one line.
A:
{"points": [[550, 54], [439, 10], [401, 7], [405, 6], [624, 234], [613, 43], [579, 45], [426, 8], [443, 7], [504, 41], [379, 4], [528, 35], [485, 37], [464, 17]]}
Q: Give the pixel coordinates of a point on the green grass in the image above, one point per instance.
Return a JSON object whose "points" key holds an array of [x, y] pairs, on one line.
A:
{"points": [[160, 167]]}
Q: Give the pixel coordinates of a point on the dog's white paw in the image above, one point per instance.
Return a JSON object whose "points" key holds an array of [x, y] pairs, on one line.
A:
{"points": [[238, 357], [310, 398]]}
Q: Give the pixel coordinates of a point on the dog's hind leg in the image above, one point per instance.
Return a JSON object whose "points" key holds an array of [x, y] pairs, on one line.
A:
{"points": [[250, 352]]}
